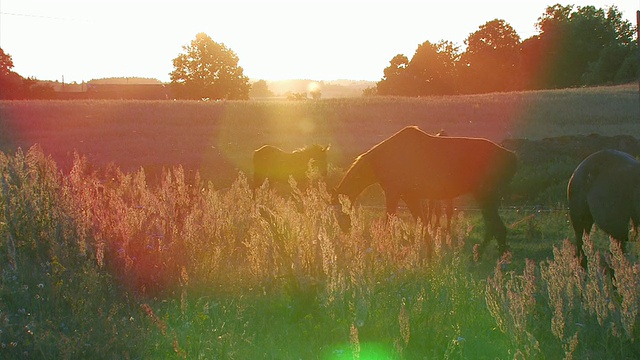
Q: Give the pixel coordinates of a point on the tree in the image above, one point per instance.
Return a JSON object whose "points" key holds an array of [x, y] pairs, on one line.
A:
{"points": [[8, 81], [11, 84], [491, 61], [260, 89], [617, 60], [395, 80], [6, 63], [208, 70], [433, 69], [584, 46]]}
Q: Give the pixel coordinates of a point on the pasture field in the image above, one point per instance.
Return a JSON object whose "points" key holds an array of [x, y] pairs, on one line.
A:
{"points": [[218, 138], [148, 242]]}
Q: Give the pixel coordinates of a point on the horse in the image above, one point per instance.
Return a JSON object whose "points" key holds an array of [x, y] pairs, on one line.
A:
{"points": [[412, 165], [605, 189], [271, 163]]}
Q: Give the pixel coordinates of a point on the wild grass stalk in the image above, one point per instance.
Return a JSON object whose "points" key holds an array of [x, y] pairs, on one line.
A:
{"points": [[561, 309], [54, 300]]}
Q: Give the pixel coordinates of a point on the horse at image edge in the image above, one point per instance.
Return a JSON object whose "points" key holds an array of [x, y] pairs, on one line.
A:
{"points": [[605, 189]]}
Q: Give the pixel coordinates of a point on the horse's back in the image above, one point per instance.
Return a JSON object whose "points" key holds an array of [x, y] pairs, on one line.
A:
{"points": [[604, 161], [604, 168], [442, 166], [266, 151], [277, 165]]}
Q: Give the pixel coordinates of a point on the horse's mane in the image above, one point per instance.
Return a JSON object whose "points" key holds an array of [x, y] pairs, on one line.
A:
{"points": [[360, 159]]}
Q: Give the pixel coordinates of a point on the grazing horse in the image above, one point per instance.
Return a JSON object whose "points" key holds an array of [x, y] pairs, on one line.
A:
{"points": [[277, 165], [412, 165], [605, 189]]}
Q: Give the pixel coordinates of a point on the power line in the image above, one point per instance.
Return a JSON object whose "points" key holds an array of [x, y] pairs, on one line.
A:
{"points": [[42, 16]]}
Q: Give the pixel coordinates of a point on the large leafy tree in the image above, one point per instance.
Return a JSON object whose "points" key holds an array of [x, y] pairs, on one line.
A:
{"points": [[207, 69], [10, 82], [584, 46], [492, 58], [617, 60], [431, 71], [6, 63], [396, 80]]}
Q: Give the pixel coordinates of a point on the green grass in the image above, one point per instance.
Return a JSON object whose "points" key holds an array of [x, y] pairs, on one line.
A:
{"points": [[122, 269], [164, 253]]}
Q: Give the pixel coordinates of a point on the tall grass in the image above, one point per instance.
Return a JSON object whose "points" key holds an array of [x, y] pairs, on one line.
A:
{"points": [[55, 300], [96, 262], [560, 309]]}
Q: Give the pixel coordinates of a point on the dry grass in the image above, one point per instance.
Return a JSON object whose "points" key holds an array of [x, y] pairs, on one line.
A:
{"points": [[181, 270], [103, 261]]}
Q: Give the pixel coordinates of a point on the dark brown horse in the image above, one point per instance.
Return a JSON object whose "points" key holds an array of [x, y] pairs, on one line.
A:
{"points": [[412, 165], [605, 189], [277, 165]]}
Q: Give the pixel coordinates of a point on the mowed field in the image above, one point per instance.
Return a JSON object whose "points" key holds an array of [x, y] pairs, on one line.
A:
{"points": [[218, 138]]}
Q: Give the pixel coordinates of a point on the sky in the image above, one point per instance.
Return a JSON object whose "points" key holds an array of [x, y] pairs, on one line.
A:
{"points": [[325, 40]]}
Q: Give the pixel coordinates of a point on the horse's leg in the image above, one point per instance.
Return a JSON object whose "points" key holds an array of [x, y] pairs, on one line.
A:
{"points": [[430, 211], [579, 212], [582, 222], [494, 227], [438, 212], [414, 205], [258, 179], [449, 213]]}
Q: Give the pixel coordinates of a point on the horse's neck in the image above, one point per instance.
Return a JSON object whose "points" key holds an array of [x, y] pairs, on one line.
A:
{"points": [[357, 178]]}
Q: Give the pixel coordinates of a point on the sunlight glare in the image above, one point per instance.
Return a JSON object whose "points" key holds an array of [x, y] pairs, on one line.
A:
{"points": [[313, 87]]}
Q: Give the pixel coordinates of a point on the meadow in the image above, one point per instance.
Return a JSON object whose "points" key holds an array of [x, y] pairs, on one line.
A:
{"points": [[130, 231]]}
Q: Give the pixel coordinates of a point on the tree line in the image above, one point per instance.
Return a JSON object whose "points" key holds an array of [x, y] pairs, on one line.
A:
{"points": [[575, 46]]}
